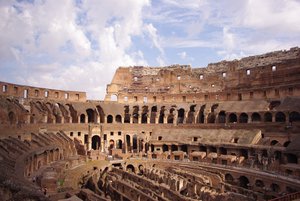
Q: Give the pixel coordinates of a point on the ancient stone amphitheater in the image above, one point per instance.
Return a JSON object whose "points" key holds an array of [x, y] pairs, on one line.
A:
{"points": [[230, 131]]}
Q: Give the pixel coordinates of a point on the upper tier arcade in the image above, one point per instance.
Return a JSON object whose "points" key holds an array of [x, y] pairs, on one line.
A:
{"points": [[271, 75], [22, 91]]}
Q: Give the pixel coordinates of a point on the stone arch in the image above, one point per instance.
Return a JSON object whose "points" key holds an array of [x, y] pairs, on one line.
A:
{"points": [[161, 115], [135, 114], [243, 182], [134, 143], [201, 116], [191, 115], [243, 118], [259, 183], [275, 187], [165, 147], [174, 147], [130, 168], [255, 117], [171, 116], [280, 117], [232, 118], [222, 117], [91, 116], [274, 142], [294, 116], [111, 144], [114, 97], [101, 113], [184, 148], [119, 144], [286, 143], [126, 114], [268, 117], [153, 114], [118, 118], [110, 119], [223, 151], [180, 116], [12, 118], [96, 142], [144, 115], [82, 118], [202, 148], [211, 118], [229, 178]]}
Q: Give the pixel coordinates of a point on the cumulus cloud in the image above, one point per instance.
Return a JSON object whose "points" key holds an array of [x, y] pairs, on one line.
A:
{"points": [[75, 45]]}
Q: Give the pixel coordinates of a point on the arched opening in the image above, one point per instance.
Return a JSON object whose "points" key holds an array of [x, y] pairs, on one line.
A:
{"points": [[202, 148], [91, 116], [165, 147], [274, 142], [128, 142], [184, 148], [268, 117], [109, 119], [294, 116], [145, 115], [229, 178], [255, 117], [292, 158], [232, 118], [134, 143], [174, 147], [152, 148], [274, 104], [126, 114], [12, 118], [191, 115], [141, 169], [161, 115], [111, 144], [286, 143], [243, 182], [153, 114], [243, 118], [280, 117], [119, 144], [259, 183], [96, 142], [211, 118], [118, 118], [222, 117], [135, 115], [130, 168], [180, 117], [244, 152], [113, 97], [201, 115], [223, 151], [82, 118], [101, 113], [275, 188], [171, 116]]}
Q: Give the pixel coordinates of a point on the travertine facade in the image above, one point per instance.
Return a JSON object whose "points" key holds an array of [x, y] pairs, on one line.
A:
{"points": [[229, 131]]}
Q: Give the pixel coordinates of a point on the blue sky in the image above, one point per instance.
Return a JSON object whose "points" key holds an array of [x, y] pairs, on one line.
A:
{"points": [[78, 45]]}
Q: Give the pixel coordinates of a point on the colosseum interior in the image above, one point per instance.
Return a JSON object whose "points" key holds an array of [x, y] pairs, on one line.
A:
{"points": [[229, 131]]}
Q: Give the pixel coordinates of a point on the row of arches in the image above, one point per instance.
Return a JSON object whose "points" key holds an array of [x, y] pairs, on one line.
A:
{"points": [[221, 117], [245, 182]]}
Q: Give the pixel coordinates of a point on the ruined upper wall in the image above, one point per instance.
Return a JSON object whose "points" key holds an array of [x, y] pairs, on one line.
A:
{"points": [[253, 75], [22, 91]]}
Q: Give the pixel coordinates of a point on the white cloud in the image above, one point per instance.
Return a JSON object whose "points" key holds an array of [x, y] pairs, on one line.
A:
{"points": [[68, 45]]}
